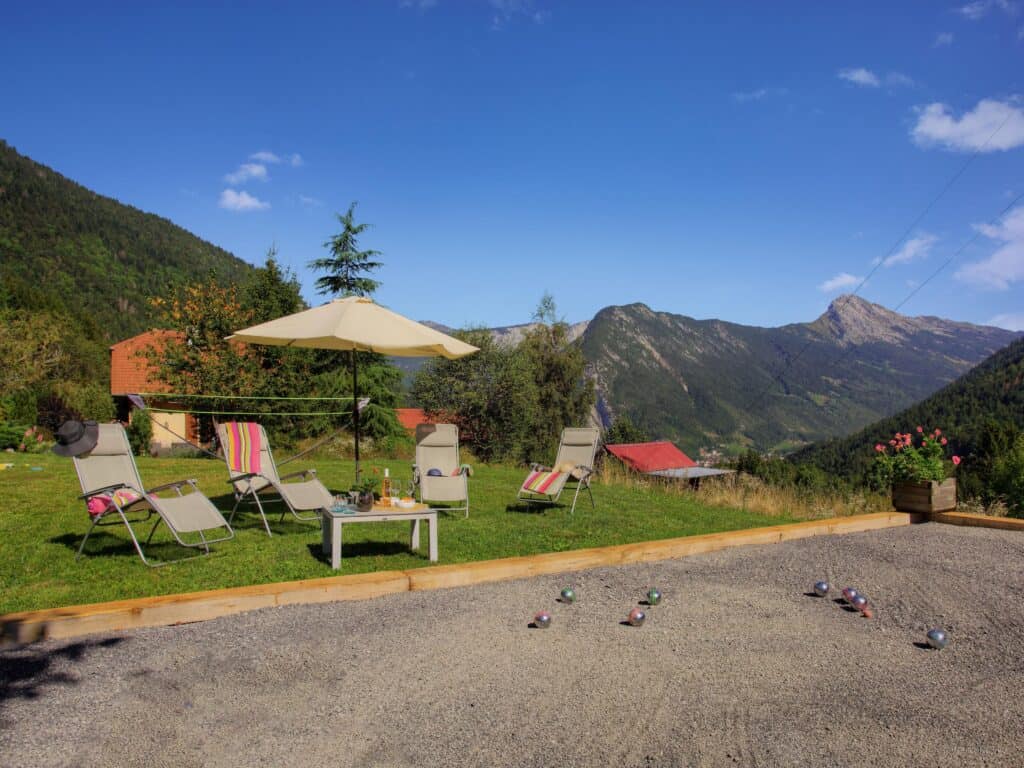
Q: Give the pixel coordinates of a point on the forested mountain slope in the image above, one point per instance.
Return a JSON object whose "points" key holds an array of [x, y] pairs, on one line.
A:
{"points": [[89, 262]]}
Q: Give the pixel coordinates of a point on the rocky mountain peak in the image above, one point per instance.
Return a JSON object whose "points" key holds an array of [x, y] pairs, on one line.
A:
{"points": [[853, 320]]}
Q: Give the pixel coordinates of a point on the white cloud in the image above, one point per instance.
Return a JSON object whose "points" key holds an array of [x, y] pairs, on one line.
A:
{"points": [[247, 171], [1011, 321], [979, 9], [505, 10], [898, 78], [1006, 264], [759, 94], [295, 160], [263, 156], [991, 126], [915, 248], [943, 38], [241, 201], [842, 280], [310, 202], [745, 96], [859, 76]]}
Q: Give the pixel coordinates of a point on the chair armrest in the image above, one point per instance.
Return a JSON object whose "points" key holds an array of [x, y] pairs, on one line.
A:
{"points": [[105, 489], [247, 476], [535, 467], [176, 484], [302, 473]]}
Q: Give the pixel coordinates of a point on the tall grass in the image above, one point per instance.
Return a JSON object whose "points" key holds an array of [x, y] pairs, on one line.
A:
{"points": [[751, 494]]}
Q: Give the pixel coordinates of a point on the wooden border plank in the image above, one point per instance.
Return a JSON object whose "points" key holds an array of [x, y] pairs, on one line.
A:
{"points": [[977, 521], [163, 610]]}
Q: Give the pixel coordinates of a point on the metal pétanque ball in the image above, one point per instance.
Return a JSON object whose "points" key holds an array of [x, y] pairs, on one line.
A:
{"points": [[568, 595], [937, 638], [821, 588], [850, 593], [860, 602], [636, 617], [653, 596], [542, 620]]}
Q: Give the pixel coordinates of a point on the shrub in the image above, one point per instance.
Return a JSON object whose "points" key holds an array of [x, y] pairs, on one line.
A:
{"points": [[140, 432]]}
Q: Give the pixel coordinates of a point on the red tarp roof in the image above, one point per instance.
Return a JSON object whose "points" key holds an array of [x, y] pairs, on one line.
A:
{"points": [[650, 457]]}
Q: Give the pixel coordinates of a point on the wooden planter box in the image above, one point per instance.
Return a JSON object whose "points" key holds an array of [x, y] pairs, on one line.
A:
{"points": [[925, 496]]}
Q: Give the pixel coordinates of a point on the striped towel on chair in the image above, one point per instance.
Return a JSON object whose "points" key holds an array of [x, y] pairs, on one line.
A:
{"points": [[542, 480], [242, 446]]}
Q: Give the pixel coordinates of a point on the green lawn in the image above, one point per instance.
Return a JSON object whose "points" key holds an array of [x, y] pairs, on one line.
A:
{"points": [[42, 522]]}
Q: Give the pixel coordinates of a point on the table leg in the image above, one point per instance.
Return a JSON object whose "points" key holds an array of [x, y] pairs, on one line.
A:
{"points": [[336, 543], [325, 533], [414, 536], [432, 533]]}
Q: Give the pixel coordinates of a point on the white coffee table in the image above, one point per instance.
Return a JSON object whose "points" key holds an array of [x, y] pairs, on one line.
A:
{"points": [[332, 522]]}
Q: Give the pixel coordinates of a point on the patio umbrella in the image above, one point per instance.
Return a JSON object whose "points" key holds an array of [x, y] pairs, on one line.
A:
{"points": [[357, 324]]}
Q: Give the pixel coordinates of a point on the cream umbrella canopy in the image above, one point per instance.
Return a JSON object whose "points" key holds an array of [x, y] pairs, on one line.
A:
{"points": [[357, 324]]}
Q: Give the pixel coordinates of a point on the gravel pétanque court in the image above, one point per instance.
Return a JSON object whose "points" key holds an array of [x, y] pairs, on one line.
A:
{"points": [[737, 666]]}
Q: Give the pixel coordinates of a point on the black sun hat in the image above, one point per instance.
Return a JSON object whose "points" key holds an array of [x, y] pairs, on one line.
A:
{"points": [[76, 437]]}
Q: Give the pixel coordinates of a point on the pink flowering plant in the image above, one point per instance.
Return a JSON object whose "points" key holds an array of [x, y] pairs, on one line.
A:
{"points": [[917, 456]]}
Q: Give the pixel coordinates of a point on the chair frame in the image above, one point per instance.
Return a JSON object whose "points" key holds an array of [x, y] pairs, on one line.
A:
{"points": [[249, 491], [417, 476], [581, 482], [152, 507]]}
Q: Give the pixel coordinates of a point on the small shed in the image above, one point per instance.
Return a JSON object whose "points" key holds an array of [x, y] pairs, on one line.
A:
{"points": [[132, 373]]}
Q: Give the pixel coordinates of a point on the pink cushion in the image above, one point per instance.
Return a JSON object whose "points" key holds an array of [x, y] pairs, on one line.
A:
{"points": [[97, 505]]}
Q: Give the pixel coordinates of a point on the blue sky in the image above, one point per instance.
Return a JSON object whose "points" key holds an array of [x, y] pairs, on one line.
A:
{"points": [[747, 161]]}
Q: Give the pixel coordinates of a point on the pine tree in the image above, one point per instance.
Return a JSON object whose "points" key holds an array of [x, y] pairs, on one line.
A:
{"points": [[347, 267]]}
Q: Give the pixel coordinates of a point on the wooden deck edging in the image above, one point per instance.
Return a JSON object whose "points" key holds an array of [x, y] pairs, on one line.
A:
{"points": [[977, 521], [73, 621]]}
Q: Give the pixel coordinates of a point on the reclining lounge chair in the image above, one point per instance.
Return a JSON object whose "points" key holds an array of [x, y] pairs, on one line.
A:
{"points": [[574, 465], [253, 474], [437, 448], [112, 488]]}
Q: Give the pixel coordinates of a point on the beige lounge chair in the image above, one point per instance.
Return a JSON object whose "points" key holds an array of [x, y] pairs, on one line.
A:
{"points": [[112, 488], [253, 487], [574, 465], [437, 448]]}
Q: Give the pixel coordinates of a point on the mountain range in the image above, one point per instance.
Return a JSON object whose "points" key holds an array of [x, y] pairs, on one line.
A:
{"points": [[718, 385]]}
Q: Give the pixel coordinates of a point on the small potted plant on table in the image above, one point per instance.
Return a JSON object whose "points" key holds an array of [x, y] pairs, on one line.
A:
{"points": [[365, 493], [914, 465]]}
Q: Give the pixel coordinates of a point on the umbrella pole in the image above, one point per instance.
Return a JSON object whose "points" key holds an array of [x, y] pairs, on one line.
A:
{"points": [[355, 410]]}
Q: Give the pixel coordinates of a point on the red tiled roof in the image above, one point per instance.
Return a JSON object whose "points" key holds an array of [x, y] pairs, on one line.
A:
{"points": [[130, 369], [410, 417], [650, 457]]}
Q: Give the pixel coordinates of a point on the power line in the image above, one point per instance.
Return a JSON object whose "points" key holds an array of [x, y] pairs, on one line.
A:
{"points": [[777, 374]]}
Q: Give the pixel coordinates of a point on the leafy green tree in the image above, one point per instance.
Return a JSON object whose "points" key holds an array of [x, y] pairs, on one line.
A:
{"points": [[32, 349], [347, 267], [564, 395], [198, 360], [623, 430], [490, 395]]}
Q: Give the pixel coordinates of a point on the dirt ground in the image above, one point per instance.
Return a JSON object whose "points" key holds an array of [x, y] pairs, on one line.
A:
{"points": [[737, 666]]}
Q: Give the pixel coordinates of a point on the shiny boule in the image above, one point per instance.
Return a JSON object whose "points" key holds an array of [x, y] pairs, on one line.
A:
{"points": [[542, 620], [821, 588], [653, 596], [850, 594], [568, 595], [860, 602], [636, 617], [937, 638]]}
